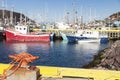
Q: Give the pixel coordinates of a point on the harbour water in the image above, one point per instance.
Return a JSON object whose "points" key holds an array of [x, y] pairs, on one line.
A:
{"points": [[57, 53]]}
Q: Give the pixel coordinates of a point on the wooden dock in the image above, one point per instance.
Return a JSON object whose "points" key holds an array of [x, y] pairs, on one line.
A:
{"points": [[112, 34]]}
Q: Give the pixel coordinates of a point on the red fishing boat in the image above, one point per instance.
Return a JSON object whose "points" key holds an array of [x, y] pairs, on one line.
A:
{"points": [[20, 33]]}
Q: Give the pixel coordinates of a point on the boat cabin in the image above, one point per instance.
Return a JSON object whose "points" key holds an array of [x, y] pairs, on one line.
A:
{"points": [[22, 29], [88, 33]]}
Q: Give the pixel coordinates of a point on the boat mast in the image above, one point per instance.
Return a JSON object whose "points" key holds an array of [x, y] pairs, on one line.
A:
{"points": [[117, 15], [21, 18], [94, 17], [90, 15], [3, 11], [67, 18], [75, 20], [11, 15], [25, 20], [81, 17], [15, 20]]}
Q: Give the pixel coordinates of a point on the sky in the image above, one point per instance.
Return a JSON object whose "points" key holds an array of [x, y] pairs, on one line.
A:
{"points": [[56, 10]]}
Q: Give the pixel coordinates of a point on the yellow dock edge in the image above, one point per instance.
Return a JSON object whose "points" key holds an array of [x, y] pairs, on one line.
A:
{"points": [[59, 72]]}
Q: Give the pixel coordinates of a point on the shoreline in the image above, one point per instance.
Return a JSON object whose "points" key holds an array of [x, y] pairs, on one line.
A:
{"points": [[96, 60], [108, 58]]}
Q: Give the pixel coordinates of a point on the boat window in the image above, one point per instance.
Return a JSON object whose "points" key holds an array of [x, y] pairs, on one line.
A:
{"points": [[20, 29], [89, 32], [17, 28], [99, 28], [24, 28]]}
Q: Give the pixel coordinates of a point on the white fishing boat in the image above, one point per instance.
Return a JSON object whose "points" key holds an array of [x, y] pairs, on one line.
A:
{"points": [[87, 36]]}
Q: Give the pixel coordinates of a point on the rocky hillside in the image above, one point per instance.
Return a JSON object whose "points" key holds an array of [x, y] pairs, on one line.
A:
{"points": [[16, 15], [108, 58], [115, 15]]}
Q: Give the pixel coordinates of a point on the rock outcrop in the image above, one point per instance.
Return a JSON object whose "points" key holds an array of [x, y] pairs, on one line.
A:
{"points": [[111, 57], [108, 58]]}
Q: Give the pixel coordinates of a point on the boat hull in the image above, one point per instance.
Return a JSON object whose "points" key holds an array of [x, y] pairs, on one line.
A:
{"points": [[13, 36], [104, 40], [85, 39], [89, 40], [74, 38]]}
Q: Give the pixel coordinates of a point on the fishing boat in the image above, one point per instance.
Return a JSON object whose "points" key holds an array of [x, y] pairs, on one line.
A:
{"points": [[21, 33], [87, 36]]}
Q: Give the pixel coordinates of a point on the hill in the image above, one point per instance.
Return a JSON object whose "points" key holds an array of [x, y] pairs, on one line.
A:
{"points": [[16, 16], [115, 16]]}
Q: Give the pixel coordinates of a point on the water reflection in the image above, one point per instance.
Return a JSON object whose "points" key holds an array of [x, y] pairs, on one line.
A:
{"points": [[18, 47], [58, 53], [89, 47], [80, 54]]}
